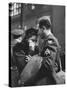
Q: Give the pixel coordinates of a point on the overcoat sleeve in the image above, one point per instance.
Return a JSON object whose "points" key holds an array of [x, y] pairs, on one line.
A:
{"points": [[50, 54]]}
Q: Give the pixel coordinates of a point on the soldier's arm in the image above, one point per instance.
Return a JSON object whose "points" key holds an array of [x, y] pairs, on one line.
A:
{"points": [[50, 52]]}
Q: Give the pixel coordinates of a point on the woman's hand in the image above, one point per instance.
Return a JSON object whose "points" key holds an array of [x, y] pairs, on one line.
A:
{"points": [[36, 57], [28, 58]]}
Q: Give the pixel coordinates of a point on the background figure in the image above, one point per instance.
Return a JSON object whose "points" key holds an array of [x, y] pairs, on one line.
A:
{"points": [[16, 37]]}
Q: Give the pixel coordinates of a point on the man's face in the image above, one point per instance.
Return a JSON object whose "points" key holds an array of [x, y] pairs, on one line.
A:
{"points": [[32, 42], [42, 30]]}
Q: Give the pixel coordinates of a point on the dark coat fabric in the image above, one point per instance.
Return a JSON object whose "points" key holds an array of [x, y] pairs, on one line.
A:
{"points": [[50, 51]]}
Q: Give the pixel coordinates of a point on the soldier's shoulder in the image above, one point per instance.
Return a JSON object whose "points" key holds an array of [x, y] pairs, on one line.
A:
{"points": [[52, 38]]}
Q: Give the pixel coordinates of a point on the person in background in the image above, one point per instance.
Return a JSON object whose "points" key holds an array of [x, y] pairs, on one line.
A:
{"points": [[16, 37]]}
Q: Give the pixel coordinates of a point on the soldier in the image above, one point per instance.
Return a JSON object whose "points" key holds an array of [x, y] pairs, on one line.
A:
{"points": [[16, 37], [49, 49]]}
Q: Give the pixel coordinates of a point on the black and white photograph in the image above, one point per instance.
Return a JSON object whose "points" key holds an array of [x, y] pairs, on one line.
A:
{"points": [[36, 44]]}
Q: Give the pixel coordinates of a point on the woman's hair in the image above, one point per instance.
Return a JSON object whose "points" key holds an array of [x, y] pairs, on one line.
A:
{"points": [[30, 32], [45, 23], [24, 45]]}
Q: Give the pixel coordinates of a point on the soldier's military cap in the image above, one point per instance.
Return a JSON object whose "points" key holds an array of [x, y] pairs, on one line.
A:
{"points": [[44, 18]]}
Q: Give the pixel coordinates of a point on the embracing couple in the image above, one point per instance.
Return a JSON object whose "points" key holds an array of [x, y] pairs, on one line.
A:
{"points": [[38, 56]]}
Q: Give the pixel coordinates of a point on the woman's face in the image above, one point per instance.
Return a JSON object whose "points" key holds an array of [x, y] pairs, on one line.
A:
{"points": [[32, 42]]}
